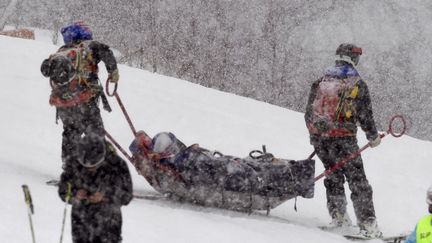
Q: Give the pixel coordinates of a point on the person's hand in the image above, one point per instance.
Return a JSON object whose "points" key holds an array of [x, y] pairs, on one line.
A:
{"points": [[81, 194], [114, 76], [97, 197], [375, 142]]}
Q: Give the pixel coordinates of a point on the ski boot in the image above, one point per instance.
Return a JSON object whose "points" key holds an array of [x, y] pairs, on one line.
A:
{"points": [[370, 229], [341, 220]]}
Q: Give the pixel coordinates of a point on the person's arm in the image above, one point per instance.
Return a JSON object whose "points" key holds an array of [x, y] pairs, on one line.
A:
{"points": [[312, 95], [119, 191], [364, 111], [103, 52], [66, 178]]}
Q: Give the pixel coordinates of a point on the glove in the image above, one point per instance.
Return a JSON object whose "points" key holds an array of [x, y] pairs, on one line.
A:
{"points": [[375, 142], [114, 76]]}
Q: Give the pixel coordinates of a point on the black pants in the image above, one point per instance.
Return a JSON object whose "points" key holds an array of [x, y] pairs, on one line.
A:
{"points": [[96, 223], [331, 151], [84, 118]]}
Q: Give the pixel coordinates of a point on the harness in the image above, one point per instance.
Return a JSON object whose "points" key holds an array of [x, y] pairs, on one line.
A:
{"points": [[80, 73]]}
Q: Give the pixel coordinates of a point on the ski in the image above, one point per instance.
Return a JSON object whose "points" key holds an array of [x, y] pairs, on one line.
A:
{"points": [[352, 233], [388, 239]]}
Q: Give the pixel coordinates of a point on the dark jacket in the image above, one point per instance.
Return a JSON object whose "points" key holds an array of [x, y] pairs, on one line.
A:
{"points": [[112, 178], [362, 103], [99, 52]]}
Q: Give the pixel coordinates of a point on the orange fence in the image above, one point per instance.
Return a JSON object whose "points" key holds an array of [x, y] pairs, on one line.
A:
{"points": [[19, 33]]}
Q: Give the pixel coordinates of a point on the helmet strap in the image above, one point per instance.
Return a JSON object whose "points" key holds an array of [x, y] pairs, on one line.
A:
{"points": [[345, 59], [95, 165]]}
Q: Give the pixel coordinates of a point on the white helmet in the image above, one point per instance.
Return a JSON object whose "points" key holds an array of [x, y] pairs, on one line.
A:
{"points": [[162, 142], [429, 195]]}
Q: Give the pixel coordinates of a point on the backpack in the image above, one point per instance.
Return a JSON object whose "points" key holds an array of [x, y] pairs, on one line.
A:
{"points": [[73, 76], [333, 106]]}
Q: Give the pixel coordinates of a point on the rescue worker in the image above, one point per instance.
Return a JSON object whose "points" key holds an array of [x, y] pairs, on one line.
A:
{"points": [[338, 102], [73, 73], [100, 184]]}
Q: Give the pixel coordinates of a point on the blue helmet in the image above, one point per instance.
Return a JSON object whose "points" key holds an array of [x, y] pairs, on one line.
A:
{"points": [[76, 32]]}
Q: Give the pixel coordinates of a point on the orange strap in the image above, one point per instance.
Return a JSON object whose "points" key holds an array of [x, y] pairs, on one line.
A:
{"points": [[82, 97], [334, 132]]}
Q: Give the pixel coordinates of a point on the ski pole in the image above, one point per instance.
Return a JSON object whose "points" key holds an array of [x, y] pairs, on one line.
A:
{"points": [[67, 198], [342, 162], [30, 207], [115, 94]]}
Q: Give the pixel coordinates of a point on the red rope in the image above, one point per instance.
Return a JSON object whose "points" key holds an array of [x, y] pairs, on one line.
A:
{"points": [[122, 107], [120, 148], [125, 113]]}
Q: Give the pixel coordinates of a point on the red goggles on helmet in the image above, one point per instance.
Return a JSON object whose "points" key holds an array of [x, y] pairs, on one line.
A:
{"points": [[357, 50]]}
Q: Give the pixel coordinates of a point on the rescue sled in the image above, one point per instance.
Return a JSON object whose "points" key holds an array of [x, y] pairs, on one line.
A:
{"points": [[197, 175]]}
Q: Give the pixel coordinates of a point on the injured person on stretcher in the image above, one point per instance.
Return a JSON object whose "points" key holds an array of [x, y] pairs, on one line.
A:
{"points": [[197, 175]]}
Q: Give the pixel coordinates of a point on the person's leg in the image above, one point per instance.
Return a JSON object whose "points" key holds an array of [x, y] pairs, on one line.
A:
{"points": [[327, 151], [361, 191], [72, 130], [110, 224], [80, 229], [92, 119], [84, 118]]}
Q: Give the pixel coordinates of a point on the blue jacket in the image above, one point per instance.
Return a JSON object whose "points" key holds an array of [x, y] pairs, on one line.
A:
{"points": [[412, 237]]}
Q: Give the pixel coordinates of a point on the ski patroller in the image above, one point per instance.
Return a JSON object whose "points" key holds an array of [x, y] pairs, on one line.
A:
{"points": [[30, 207]]}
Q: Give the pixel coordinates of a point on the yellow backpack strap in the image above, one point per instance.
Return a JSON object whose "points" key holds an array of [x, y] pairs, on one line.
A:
{"points": [[354, 92]]}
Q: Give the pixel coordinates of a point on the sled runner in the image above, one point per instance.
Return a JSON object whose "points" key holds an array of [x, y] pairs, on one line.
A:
{"points": [[197, 175]]}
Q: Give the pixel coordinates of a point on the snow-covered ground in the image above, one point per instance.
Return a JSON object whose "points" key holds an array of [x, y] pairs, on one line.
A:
{"points": [[399, 169]]}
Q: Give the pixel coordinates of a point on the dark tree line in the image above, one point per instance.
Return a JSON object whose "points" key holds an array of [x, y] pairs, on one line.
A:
{"points": [[268, 50]]}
